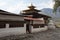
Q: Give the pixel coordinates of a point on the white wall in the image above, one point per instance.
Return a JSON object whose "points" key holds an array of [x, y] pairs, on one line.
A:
{"points": [[39, 29], [39, 21], [12, 31]]}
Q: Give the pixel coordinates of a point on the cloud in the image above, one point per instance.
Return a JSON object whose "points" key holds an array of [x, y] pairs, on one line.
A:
{"points": [[45, 5], [2, 4], [16, 6]]}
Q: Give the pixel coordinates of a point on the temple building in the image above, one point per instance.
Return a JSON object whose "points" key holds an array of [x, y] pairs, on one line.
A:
{"points": [[35, 20]]}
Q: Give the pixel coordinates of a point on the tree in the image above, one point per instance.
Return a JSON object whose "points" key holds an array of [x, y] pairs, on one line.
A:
{"points": [[56, 5]]}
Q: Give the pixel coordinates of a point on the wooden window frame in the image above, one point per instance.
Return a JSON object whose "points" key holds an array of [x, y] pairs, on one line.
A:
{"points": [[35, 26], [16, 25], [2, 25]]}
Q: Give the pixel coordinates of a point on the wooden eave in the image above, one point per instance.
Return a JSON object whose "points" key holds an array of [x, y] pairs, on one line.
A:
{"points": [[2, 12], [39, 15], [3, 21], [32, 10]]}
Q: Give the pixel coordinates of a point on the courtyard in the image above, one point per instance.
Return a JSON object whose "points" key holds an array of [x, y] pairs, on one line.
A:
{"points": [[53, 34]]}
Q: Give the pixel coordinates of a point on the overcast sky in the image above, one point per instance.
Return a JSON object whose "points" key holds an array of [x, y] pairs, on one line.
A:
{"points": [[15, 6]]}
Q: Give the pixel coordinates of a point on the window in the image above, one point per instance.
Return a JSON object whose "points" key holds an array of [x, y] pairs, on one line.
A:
{"points": [[42, 25], [16, 25], [2, 25], [35, 26], [38, 25]]}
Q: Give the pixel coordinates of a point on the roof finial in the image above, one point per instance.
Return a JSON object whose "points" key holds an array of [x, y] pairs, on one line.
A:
{"points": [[31, 4]]}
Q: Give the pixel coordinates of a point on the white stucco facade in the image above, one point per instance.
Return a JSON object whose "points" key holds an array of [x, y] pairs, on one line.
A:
{"points": [[33, 30], [12, 31]]}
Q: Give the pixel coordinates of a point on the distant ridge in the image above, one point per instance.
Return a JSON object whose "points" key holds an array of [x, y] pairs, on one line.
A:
{"points": [[49, 11]]}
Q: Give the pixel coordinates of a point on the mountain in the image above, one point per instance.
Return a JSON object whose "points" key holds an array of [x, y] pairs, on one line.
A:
{"points": [[49, 11]]}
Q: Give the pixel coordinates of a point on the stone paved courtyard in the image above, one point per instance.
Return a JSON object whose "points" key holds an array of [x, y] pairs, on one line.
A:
{"points": [[46, 35]]}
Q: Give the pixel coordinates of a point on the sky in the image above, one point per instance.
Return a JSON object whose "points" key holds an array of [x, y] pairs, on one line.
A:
{"points": [[16, 6]]}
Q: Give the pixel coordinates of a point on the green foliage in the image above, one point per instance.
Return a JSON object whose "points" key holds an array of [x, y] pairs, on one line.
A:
{"points": [[56, 5]]}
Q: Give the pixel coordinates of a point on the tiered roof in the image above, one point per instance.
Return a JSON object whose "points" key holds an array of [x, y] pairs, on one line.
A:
{"points": [[31, 9]]}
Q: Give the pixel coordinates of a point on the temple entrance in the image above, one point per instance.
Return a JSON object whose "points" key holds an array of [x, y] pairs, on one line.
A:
{"points": [[27, 28]]}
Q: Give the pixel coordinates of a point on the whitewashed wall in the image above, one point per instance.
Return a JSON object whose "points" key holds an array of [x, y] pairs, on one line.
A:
{"points": [[12, 31], [38, 29], [39, 21]]}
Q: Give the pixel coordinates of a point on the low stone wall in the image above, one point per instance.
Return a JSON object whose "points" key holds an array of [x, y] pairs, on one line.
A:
{"points": [[12, 31], [39, 29]]}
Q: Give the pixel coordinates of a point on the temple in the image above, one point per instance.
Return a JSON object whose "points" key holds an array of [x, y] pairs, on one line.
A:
{"points": [[34, 19]]}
